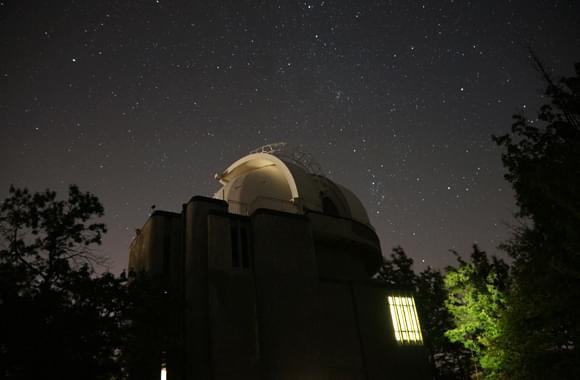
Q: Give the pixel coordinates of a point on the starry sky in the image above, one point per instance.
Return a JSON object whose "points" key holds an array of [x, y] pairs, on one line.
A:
{"points": [[141, 102]]}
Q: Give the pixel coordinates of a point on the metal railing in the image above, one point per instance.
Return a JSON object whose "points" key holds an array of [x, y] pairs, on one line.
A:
{"points": [[241, 208]]}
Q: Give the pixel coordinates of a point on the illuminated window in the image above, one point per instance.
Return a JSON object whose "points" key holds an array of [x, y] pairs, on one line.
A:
{"points": [[405, 320], [163, 374]]}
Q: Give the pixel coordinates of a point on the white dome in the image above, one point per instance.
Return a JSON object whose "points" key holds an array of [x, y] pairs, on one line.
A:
{"points": [[263, 180]]}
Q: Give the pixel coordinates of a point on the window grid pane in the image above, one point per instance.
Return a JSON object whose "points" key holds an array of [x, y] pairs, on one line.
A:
{"points": [[405, 320]]}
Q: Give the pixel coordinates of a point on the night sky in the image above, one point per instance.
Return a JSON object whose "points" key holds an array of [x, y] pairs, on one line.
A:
{"points": [[141, 102]]}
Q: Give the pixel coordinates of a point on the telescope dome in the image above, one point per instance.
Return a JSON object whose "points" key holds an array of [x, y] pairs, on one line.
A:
{"points": [[277, 178]]}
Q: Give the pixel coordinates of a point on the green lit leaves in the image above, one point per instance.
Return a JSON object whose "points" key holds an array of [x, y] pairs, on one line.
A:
{"points": [[476, 300]]}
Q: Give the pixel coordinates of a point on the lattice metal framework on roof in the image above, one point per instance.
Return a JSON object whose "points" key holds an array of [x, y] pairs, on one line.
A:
{"points": [[292, 154]]}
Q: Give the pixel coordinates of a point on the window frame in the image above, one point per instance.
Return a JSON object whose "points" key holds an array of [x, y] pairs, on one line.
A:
{"points": [[405, 319]]}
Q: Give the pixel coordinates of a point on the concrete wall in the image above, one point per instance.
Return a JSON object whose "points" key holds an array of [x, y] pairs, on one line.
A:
{"points": [[345, 249], [384, 357], [274, 296], [340, 344], [196, 359], [234, 347], [157, 251], [288, 309], [155, 245]]}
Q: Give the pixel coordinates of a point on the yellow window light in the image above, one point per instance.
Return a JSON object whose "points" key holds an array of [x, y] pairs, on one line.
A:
{"points": [[405, 320]]}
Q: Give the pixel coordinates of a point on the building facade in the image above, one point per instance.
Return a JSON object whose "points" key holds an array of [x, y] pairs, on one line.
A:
{"points": [[275, 273]]}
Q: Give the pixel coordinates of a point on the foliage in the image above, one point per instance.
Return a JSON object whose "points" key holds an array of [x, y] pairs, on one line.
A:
{"points": [[146, 308], [449, 360], [525, 325], [542, 159], [476, 301], [398, 271], [60, 320], [44, 236]]}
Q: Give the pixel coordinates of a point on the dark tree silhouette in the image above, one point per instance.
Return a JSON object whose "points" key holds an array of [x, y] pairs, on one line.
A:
{"points": [[146, 313], [398, 270], [449, 360], [58, 318], [542, 159]]}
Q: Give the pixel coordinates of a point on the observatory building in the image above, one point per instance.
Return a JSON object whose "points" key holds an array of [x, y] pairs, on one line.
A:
{"points": [[275, 278]]}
